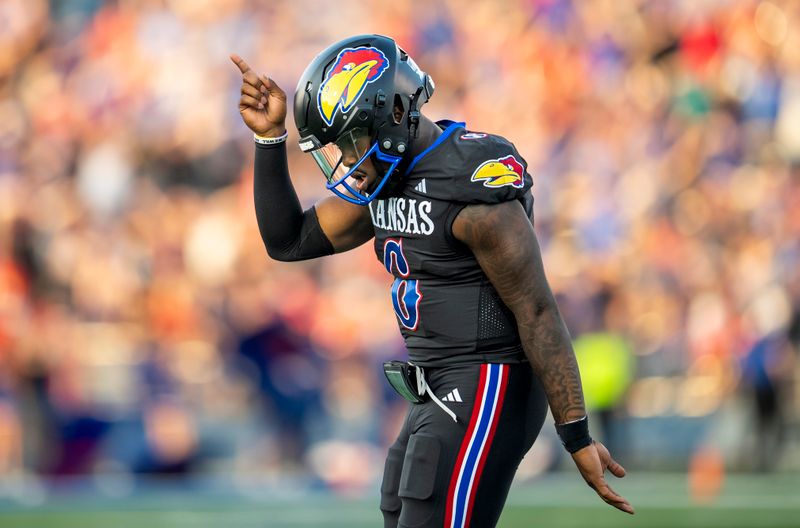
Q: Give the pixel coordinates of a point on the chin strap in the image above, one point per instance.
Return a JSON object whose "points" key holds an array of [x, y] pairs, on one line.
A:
{"points": [[413, 128], [413, 116], [420, 97]]}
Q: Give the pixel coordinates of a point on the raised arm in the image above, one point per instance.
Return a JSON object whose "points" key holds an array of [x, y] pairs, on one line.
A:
{"points": [[288, 232], [505, 245]]}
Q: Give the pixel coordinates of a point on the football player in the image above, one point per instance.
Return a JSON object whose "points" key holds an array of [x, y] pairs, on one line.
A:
{"points": [[451, 214]]}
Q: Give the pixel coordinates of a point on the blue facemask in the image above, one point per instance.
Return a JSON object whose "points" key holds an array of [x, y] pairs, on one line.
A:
{"points": [[330, 160]]}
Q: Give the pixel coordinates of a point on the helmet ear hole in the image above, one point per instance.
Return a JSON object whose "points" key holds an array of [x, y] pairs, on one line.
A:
{"points": [[398, 110]]}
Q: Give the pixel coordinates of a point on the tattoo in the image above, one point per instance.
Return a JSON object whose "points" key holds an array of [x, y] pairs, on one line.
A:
{"points": [[502, 239]]}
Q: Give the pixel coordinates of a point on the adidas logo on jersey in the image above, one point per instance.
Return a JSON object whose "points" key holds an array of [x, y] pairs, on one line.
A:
{"points": [[421, 187], [453, 395]]}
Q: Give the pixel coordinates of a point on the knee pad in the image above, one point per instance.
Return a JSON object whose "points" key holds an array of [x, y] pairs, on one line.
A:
{"points": [[418, 481], [390, 502]]}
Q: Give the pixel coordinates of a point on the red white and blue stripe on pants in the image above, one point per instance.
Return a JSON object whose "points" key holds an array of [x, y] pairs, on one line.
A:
{"points": [[476, 445]]}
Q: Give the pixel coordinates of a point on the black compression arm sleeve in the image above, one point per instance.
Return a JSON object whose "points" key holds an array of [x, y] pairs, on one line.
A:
{"points": [[288, 232]]}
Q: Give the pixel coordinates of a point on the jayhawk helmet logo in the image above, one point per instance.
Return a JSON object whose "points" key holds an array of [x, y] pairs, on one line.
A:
{"points": [[500, 172], [345, 82]]}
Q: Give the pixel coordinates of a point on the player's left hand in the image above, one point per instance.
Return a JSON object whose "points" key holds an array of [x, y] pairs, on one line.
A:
{"points": [[592, 461]]}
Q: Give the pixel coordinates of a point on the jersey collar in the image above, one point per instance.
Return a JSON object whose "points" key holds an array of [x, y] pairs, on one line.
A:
{"points": [[451, 127]]}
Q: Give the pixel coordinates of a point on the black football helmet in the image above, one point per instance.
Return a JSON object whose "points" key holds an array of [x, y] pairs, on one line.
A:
{"points": [[345, 101]]}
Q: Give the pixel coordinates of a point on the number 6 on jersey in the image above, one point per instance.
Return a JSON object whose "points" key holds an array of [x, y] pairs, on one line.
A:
{"points": [[405, 292]]}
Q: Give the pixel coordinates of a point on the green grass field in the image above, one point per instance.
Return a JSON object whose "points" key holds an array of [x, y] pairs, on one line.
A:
{"points": [[554, 501]]}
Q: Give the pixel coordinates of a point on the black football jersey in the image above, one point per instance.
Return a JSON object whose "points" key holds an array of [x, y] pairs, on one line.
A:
{"points": [[447, 309]]}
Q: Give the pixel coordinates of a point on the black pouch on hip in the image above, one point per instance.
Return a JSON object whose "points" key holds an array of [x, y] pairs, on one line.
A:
{"points": [[403, 379]]}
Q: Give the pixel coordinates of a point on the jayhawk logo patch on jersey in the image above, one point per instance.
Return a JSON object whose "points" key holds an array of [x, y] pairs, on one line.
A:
{"points": [[345, 82], [500, 172]]}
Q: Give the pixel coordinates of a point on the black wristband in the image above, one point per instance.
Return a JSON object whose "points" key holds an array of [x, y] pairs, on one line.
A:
{"points": [[574, 435]]}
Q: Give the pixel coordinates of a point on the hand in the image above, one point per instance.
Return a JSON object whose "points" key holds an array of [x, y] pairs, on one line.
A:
{"points": [[263, 103], [592, 461]]}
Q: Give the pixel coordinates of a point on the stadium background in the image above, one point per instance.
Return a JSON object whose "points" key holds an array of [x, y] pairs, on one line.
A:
{"points": [[156, 367]]}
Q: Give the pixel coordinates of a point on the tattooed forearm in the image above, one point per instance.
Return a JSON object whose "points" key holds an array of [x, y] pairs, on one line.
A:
{"points": [[503, 241]]}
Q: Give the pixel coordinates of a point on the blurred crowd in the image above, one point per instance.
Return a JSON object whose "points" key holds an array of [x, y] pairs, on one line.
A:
{"points": [[143, 329]]}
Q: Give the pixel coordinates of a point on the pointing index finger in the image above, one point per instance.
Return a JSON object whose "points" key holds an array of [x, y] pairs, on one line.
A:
{"points": [[240, 63]]}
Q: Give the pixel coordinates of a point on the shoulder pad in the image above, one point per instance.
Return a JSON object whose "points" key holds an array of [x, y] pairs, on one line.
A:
{"points": [[491, 170]]}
